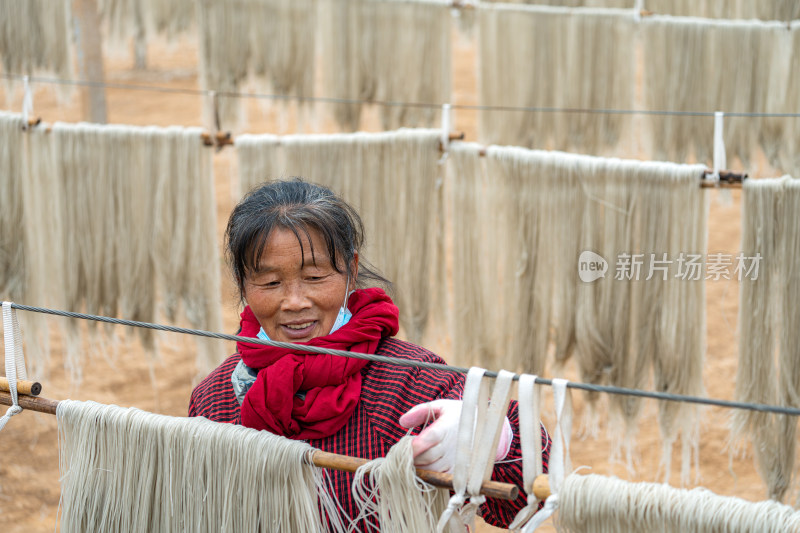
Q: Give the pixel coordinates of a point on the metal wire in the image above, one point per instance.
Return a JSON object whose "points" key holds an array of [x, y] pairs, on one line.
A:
{"points": [[387, 103], [417, 364]]}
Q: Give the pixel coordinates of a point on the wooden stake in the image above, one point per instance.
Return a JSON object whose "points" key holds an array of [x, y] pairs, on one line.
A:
{"points": [[29, 388], [492, 489]]}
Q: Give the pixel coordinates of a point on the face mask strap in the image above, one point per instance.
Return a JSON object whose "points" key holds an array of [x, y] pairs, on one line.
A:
{"points": [[347, 292]]}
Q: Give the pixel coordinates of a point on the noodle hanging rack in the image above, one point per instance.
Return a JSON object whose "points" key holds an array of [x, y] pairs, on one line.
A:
{"points": [[322, 459], [28, 398], [727, 179]]}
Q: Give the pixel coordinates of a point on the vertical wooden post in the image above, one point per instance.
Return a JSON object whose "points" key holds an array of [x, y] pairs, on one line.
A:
{"points": [[139, 40], [90, 59]]}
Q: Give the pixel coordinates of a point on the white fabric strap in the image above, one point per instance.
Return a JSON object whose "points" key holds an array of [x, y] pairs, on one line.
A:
{"points": [[530, 436], [529, 430], [488, 435], [637, 10], [720, 159], [27, 102], [556, 465], [14, 360], [724, 196], [559, 450], [447, 124], [550, 507], [474, 388], [474, 396]]}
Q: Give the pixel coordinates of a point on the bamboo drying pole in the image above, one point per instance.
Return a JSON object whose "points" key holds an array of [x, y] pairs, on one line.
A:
{"points": [[541, 487], [492, 489], [220, 138], [30, 388], [224, 138], [727, 179]]}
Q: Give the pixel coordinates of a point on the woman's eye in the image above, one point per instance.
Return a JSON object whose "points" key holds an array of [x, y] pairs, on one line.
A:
{"points": [[271, 284]]}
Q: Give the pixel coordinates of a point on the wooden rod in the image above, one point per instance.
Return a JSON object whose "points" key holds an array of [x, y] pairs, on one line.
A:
{"points": [[221, 138], [727, 179], [32, 403], [224, 138], [29, 388], [492, 489], [452, 137], [541, 487], [706, 184], [459, 4]]}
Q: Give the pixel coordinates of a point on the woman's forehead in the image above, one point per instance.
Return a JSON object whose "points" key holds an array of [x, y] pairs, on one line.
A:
{"points": [[285, 247]]}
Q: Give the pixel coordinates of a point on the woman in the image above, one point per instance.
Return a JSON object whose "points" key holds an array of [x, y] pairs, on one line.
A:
{"points": [[294, 251]]}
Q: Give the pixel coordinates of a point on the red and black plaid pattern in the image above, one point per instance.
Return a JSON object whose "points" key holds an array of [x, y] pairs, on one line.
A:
{"points": [[387, 392]]}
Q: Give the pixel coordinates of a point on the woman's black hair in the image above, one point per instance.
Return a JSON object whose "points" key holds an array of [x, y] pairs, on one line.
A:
{"points": [[298, 206]]}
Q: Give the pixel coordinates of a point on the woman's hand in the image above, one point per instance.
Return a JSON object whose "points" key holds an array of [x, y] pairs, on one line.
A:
{"points": [[435, 447]]}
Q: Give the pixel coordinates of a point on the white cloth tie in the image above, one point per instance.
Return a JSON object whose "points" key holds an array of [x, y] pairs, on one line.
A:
{"points": [[27, 102], [720, 158], [15, 361], [560, 450], [530, 436], [478, 435]]}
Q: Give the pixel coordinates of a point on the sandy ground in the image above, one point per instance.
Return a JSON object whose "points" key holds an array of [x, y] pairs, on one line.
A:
{"points": [[122, 373]]}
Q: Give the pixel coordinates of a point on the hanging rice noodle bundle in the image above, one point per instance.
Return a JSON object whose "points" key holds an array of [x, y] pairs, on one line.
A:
{"points": [[388, 489], [600, 504], [144, 19], [269, 42], [553, 57], [689, 65], [557, 212], [392, 180], [389, 51], [257, 159], [35, 36], [49, 51], [769, 348], [784, 10], [149, 226], [129, 470], [12, 213]]}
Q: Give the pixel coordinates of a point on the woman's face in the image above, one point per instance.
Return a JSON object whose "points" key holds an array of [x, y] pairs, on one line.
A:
{"points": [[292, 300]]}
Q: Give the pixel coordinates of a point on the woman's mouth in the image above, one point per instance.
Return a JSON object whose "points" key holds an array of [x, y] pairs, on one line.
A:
{"points": [[298, 330]]}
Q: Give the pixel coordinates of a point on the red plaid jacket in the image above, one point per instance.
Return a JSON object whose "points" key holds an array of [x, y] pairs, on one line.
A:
{"points": [[387, 392]]}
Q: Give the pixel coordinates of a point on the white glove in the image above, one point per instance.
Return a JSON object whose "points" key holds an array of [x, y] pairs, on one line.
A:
{"points": [[435, 447]]}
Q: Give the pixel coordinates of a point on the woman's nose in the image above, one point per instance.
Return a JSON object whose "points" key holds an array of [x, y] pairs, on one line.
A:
{"points": [[296, 298]]}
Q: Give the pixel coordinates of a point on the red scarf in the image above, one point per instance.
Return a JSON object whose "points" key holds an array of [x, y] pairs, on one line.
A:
{"points": [[332, 384]]}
